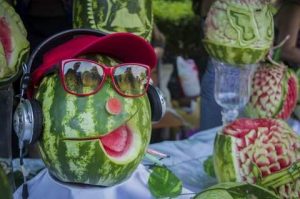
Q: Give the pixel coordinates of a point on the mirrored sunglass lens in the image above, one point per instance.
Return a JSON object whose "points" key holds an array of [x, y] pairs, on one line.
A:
{"points": [[82, 77], [131, 79]]}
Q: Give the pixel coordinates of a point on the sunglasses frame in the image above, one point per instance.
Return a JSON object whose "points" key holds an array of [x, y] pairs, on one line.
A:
{"points": [[107, 71]]}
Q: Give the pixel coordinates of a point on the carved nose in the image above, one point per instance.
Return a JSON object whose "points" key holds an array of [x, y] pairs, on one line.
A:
{"points": [[114, 106]]}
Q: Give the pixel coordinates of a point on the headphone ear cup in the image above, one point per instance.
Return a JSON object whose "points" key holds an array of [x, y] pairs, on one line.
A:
{"points": [[38, 120], [157, 103], [28, 121]]}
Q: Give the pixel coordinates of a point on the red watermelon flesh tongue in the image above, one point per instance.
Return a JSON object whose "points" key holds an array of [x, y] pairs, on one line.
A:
{"points": [[118, 141]]}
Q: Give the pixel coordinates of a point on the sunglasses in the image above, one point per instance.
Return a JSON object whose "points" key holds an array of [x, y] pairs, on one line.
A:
{"points": [[82, 77]]}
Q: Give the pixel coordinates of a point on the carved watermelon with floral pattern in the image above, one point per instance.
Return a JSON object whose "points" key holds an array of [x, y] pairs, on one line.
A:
{"points": [[260, 151]]}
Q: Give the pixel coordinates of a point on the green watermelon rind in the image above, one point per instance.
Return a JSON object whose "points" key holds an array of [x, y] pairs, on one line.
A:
{"points": [[297, 111], [234, 55], [284, 93], [297, 108], [23, 55], [226, 169], [290, 74], [230, 190]]}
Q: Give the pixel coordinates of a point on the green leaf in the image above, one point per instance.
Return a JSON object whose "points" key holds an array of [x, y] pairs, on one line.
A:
{"points": [[277, 55], [173, 11], [235, 190], [214, 194], [163, 183], [209, 166]]}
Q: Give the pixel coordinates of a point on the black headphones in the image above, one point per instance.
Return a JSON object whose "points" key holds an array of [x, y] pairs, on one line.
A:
{"points": [[28, 116]]}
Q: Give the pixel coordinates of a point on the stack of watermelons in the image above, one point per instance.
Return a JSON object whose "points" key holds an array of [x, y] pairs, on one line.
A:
{"points": [[262, 151]]}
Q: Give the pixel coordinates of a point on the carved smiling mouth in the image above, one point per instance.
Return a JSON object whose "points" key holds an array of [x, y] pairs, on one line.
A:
{"points": [[115, 143]]}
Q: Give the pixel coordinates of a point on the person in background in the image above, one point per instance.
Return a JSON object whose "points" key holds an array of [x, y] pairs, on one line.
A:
{"points": [[158, 42], [43, 18], [210, 111], [287, 22]]}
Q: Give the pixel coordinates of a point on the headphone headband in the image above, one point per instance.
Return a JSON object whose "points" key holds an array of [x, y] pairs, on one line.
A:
{"points": [[55, 40]]}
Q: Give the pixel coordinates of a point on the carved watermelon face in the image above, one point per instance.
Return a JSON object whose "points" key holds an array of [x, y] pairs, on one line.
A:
{"points": [[239, 32], [14, 46], [98, 139], [110, 16]]}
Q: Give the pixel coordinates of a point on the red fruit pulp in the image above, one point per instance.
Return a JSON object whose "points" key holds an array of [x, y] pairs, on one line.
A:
{"points": [[118, 141], [5, 39], [114, 106], [291, 100]]}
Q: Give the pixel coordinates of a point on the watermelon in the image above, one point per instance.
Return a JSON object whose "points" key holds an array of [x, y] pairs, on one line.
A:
{"points": [[109, 16], [260, 151], [5, 188], [14, 47], [297, 108], [234, 190], [274, 92], [84, 143], [239, 32]]}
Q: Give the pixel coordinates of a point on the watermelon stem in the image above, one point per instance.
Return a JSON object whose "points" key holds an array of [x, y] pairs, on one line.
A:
{"points": [[276, 51], [281, 43]]}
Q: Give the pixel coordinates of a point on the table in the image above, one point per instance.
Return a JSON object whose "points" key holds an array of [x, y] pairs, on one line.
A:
{"points": [[187, 157], [186, 161]]}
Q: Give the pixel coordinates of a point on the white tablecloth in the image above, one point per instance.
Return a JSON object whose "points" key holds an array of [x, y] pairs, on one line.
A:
{"points": [[187, 158], [186, 161], [43, 186]]}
